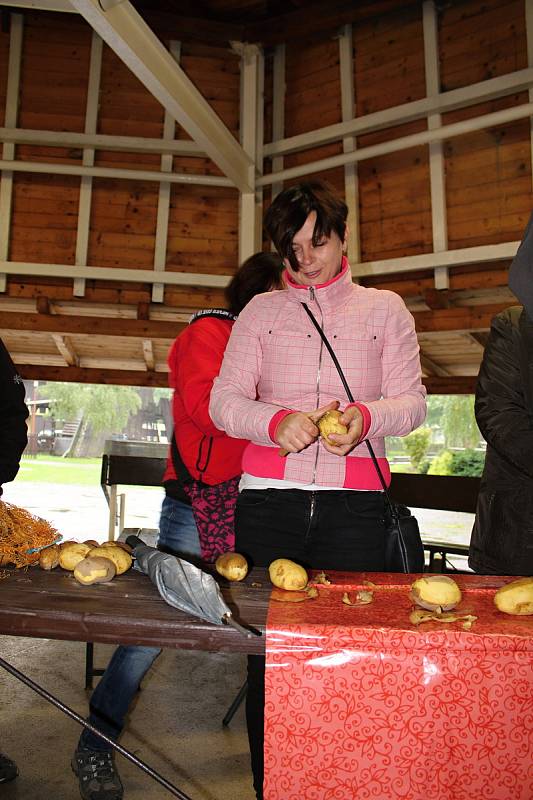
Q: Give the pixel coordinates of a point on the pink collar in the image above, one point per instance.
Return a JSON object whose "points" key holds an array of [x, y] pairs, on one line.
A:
{"points": [[291, 282]]}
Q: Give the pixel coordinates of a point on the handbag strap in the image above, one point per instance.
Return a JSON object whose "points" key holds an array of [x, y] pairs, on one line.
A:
{"points": [[351, 399]]}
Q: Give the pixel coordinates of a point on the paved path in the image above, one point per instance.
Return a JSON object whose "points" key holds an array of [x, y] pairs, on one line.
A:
{"points": [[81, 512]]}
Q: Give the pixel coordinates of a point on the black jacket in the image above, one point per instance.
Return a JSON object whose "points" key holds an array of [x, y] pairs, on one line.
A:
{"points": [[502, 537], [13, 414]]}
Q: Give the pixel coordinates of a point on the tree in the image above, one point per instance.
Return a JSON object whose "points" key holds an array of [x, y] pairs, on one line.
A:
{"points": [[104, 407], [417, 444], [459, 422]]}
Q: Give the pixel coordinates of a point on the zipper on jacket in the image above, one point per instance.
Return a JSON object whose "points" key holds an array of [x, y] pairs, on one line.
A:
{"points": [[314, 300]]}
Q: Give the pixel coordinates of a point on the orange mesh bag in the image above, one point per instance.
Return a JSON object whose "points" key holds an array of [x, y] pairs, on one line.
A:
{"points": [[23, 536]]}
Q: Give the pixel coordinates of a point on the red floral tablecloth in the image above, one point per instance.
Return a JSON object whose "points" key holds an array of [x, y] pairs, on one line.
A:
{"points": [[362, 704]]}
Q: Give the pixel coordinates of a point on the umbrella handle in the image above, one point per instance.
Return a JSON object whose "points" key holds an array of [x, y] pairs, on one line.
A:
{"points": [[228, 619], [134, 541]]}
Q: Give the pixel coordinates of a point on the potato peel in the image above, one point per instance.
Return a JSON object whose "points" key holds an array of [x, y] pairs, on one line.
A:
{"points": [[417, 617], [362, 598], [298, 596], [323, 579]]}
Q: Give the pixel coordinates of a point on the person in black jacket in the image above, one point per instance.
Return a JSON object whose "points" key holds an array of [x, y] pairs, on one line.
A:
{"points": [[13, 440], [502, 537]]}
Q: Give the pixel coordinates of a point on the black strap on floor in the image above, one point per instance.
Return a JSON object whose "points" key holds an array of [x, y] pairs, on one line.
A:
{"points": [[76, 717]]}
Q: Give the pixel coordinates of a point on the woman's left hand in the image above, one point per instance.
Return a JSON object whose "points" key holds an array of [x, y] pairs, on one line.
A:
{"points": [[353, 419]]}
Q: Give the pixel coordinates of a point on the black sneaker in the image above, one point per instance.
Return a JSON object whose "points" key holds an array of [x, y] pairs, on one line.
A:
{"points": [[97, 775], [8, 769]]}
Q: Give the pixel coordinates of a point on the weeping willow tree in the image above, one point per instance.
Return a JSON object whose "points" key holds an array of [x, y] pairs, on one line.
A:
{"points": [[103, 407], [454, 415]]}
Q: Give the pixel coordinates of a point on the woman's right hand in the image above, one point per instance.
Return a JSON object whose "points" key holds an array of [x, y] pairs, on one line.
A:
{"points": [[298, 430]]}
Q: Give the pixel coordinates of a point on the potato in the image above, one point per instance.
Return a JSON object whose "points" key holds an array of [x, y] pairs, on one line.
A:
{"points": [[93, 569], [435, 591], [515, 597], [232, 566], [91, 542], [329, 423], [285, 574], [117, 555], [71, 554], [49, 557]]}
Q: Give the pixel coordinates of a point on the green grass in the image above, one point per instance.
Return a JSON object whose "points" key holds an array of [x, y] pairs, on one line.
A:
{"points": [[51, 469]]}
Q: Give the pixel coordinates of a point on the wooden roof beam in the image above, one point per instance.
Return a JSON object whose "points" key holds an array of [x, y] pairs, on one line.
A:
{"points": [[315, 18], [125, 31], [454, 384], [116, 377], [459, 319], [103, 326]]}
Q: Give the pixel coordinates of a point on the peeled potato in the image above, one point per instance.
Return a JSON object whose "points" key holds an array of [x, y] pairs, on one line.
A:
{"points": [[285, 574], [94, 569], [232, 566], [435, 591], [117, 555], [71, 554], [49, 557], [329, 423], [515, 597]]}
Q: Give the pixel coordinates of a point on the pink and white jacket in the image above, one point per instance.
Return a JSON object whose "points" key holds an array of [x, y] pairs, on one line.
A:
{"points": [[275, 362]]}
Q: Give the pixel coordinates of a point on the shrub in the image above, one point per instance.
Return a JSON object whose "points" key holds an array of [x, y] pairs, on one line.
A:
{"points": [[441, 464], [468, 463], [417, 444]]}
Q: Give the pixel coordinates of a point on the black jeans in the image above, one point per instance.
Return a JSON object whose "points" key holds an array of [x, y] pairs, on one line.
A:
{"points": [[330, 530]]}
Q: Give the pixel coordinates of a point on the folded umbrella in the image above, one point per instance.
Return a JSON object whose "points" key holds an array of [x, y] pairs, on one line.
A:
{"points": [[185, 586]]}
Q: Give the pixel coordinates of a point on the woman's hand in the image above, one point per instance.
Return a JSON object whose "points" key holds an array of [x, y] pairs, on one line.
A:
{"points": [[353, 419], [298, 430]]}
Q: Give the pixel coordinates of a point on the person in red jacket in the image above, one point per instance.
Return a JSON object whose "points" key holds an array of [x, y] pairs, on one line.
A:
{"points": [[201, 480]]}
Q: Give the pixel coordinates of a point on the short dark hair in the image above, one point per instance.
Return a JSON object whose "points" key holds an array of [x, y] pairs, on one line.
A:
{"points": [[290, 209], [259, 273]]}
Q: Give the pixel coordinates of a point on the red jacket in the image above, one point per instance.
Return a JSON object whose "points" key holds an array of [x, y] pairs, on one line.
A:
{"points": [[194, 362]]}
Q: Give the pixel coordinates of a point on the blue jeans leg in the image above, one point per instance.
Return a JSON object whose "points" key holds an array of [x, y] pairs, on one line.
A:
{"points": [[116, 689], [177, 529]]}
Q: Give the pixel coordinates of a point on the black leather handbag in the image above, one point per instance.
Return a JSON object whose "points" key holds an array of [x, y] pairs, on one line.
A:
{"points": [[404, 551]]}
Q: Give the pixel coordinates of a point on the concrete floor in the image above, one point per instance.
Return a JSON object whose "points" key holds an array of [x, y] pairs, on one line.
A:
{"points": [[175, 726]]}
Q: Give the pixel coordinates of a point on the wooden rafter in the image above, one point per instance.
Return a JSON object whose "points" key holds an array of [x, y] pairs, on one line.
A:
{"points": [[431, 368], [148, 353], [67, 350]]}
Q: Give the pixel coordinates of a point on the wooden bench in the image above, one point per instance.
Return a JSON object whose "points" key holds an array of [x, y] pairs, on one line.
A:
{"points": [[439, 492]]}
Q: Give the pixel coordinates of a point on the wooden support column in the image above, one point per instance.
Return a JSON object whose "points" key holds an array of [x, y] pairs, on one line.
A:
{"points": [[163, 200], [528, 10], [8, 150], [351, 182], [86, 183], [251, 61], [436, 157], [279, 88]]}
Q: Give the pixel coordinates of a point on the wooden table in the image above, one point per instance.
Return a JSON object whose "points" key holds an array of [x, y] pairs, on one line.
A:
{"points": [[128, 610]]}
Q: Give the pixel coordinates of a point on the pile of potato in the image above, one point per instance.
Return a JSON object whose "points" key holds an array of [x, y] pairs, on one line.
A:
{"points": [[88, 561]]}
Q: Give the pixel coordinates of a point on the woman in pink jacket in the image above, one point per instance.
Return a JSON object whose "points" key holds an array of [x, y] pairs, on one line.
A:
{"points": [[321, 504]]}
